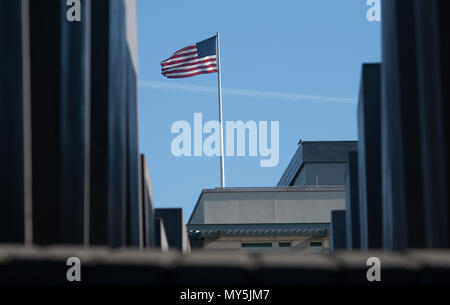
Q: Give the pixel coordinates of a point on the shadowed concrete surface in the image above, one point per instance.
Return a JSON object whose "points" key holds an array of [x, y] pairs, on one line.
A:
{"points": [[338, 230], [19, 265], [369, 158], [352, 203], [402, 177], [15, 131], [433, 45]]}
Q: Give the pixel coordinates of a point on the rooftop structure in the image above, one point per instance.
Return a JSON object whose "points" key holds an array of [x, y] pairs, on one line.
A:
{"points": [[318, 163]]}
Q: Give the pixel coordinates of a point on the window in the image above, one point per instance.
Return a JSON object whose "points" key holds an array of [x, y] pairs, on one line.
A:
{"points": [[316, 247], [256, 245], [284, 245]]}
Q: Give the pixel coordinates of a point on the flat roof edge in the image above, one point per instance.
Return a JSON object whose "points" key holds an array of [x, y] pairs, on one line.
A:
{"points": [[285, 189], [276, 189]]}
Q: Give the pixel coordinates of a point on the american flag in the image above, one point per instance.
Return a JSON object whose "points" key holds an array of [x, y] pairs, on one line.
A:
{"points": [[199, 58]]}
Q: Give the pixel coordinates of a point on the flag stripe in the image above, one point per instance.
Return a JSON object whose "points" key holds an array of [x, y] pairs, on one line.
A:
{"points": [[191, 69], [198, 60], [186, 49], [194, 71], [190, 64], [184, 54], [193, 74], [178, 58]]}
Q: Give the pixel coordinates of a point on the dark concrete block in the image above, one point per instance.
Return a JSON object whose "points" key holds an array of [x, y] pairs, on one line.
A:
{"points": [[433, 49], [134, 224], [60, 84], [108, 124], [117, 146], [279, 269], [352, 203], [338, 235], [45, 32], [74, 124], [15, 120], [369, 157], [175, 228], [25, 265], [161, 241], [219, 269], [148, 216], [64, 145], [402, 179], [435, 266]]}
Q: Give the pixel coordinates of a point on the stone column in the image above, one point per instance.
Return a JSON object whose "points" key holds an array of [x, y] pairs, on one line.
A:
{"points": [[433, 47], [148, 212], [108, 124], [132, 124], [338, 235], [402, 179], [352, 202], [60, 54], [369, 157], [74, 124], [176, 228], [15, 120]]}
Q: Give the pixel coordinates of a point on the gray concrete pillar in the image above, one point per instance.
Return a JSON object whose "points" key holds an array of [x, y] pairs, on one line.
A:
{"points": [[160, 235], [45, 34], [74, 124], [15, 120], [369, 157], [402, 179], [108, 124], [60, 122], [132, 124], [352, 202], [148, 212], [176, 228], [433, 47], [338, 235]]}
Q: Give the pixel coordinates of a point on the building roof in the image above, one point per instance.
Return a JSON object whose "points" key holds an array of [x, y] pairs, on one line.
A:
{"points": [[274, 205], [316, 152]]}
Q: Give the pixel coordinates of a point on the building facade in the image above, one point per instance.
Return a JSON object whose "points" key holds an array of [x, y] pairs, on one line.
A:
{"points": [[265, 219]]}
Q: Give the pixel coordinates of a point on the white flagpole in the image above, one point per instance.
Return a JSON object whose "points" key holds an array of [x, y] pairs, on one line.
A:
{"points": [[222, 162]]}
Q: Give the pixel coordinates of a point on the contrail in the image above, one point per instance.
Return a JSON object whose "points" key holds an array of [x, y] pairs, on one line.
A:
{"points": [[242, 92]]}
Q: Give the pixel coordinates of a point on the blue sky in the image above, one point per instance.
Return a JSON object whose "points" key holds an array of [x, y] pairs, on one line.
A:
{"points": [[288, 48]]}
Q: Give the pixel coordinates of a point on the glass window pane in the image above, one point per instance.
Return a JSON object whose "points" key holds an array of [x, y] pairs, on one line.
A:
{"points": [[316, 244], [257, 245]]}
